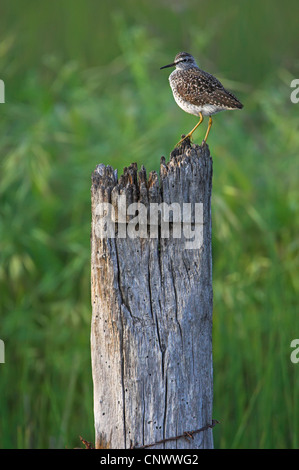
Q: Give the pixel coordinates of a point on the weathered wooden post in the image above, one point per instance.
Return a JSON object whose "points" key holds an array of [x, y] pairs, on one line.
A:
{"points": [[151, 333]]}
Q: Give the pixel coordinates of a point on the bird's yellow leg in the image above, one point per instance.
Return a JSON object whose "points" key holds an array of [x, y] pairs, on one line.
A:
{"points": [[191, 132], [208, 129]]}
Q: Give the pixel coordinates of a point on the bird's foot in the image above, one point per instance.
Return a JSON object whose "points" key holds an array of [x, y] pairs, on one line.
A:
{"points": [[186, 139]]}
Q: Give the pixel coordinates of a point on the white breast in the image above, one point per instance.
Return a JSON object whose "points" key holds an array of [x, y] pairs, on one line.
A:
{"points": [[206, 109]]}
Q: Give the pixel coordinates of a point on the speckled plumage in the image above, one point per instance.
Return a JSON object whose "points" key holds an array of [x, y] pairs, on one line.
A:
{"points": [[193, 88], [198, 92]]}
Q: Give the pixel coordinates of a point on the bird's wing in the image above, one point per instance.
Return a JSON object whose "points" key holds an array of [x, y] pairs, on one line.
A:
{"points": [[200, 88]]}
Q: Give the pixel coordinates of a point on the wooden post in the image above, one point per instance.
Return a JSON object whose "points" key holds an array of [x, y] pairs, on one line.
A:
{"points": [[151, 333]]}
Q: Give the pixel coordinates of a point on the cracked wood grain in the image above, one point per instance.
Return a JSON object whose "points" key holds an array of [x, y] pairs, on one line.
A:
{"points": [[152, 300]]}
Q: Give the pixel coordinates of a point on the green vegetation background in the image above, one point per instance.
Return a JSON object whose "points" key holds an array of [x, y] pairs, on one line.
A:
{"points": [[83, 87]]}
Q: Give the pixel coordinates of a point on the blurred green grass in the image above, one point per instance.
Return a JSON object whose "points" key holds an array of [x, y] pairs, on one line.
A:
{"points": [[83, 87]]}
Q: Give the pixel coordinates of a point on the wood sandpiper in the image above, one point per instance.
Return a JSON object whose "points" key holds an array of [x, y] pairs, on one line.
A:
{"points": [[198, 92]]}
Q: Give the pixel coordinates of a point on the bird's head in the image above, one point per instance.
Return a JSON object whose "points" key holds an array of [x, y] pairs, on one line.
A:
{"points": [[182, 61]]}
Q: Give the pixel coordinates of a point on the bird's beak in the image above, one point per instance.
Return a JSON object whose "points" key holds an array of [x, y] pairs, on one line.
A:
{"points": [[169, 65]]}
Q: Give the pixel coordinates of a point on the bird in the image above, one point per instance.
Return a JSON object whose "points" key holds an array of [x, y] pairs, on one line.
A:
{"points": [[198, 92]]}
